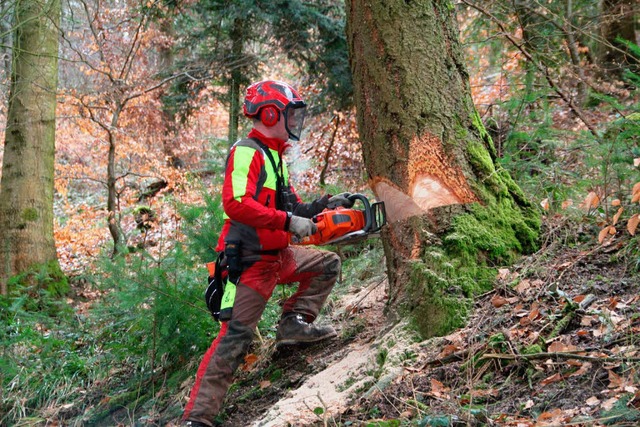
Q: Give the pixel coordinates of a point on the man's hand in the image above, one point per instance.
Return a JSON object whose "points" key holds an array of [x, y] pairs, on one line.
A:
{"points": [[341, 199], [302, 227]]}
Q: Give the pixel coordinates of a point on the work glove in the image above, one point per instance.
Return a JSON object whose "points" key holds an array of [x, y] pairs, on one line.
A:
{"points": [[340, 200], [302, 227]]}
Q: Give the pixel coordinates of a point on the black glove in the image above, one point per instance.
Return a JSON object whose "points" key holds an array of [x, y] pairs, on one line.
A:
{"points": [[340, 200]]}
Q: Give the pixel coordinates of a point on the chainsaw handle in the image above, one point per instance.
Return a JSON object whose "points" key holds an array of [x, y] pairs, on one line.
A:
{"points": [[368, 220]]}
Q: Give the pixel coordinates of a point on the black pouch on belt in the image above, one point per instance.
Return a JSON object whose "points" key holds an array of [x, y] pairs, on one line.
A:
{"points": [[216, 283]]}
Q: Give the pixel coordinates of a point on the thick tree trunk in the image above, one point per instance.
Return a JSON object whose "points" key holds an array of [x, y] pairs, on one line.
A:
{"points": [[26, 190], [618, 20], [454, 214]]}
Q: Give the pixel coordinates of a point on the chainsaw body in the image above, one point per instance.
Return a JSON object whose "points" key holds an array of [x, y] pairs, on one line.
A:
{"points": [[346, 225]]}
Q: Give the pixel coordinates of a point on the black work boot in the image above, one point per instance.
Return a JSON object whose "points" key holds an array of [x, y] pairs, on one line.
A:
{"points": [[293, 329]]}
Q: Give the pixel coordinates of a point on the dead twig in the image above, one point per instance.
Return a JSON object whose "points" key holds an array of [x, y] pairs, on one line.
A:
{"points": [[558, 355]]}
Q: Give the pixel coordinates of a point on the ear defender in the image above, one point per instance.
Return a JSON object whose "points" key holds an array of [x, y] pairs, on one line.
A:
{"points": [[269, 116]]}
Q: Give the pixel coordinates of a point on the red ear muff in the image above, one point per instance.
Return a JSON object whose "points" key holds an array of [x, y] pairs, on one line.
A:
{"points": [[269, 116]]}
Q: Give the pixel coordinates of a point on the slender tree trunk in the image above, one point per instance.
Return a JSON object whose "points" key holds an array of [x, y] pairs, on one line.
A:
{"points": [[26, 189], [237, 48], [112, 192], [454, 214]]}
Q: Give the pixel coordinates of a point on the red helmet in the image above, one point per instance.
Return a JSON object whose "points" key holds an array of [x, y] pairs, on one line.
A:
{"points": [[268, 99]]}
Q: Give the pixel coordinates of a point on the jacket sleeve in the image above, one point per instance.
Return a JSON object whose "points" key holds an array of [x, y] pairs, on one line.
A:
{"points": [[241, 177]]}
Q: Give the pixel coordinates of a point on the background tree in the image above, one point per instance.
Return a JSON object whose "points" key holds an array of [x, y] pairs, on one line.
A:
{"points": [[455, 215], [120, 65], [618, 23], [26, 189], [229, 43]]}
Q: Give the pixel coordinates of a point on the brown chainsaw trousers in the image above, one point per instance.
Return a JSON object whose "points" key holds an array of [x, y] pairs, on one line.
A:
{"points": [[315, 270]]}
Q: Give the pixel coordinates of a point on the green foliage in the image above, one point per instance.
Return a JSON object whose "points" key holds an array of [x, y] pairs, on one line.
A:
{"points": [[202, 227], [151, 321]]}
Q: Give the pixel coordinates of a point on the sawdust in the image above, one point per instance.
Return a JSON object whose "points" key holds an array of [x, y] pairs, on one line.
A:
{"points": [[332, 388]]}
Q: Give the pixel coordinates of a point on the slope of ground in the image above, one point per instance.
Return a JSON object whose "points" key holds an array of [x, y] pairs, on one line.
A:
{"points": [[555, 344]]}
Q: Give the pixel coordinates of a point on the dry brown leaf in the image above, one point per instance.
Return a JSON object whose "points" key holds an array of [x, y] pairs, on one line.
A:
{"points": [[591, 201], [552, 379], [497, 301], [609, 403], [593, 401], [615, 202], [616, 217], [566, 204], [584, 368], [545, 204], [633, 224], [603, 234], [636, 188], [447, 350], [523, 286], [249, 360], [636, 197], [264, 384]]}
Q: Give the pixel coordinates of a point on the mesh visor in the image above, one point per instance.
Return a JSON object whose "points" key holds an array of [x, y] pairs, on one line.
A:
{"points": [[294, 119]]}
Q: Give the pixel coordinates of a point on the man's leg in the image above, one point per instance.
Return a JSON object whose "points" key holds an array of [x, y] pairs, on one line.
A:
{"points": [[317, 272], [215, 374]]}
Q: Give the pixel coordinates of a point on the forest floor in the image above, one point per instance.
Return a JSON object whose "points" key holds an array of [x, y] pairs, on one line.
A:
{"points": [[554, 344]]}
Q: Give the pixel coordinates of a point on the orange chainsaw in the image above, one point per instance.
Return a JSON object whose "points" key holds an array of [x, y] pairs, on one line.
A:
{"points": [[346, 225]]}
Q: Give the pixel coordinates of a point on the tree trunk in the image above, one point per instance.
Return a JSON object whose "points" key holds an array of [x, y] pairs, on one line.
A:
{"points": [[26, 189], [454, 215], [236, 78], [618, 20]]}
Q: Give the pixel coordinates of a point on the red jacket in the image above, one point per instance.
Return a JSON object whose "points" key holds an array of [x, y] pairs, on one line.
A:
{"points": [[249, 197]]}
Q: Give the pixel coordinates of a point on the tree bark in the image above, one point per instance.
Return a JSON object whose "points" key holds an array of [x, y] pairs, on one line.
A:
{"points": [[26, 189], [618, 20], [454, 214]]}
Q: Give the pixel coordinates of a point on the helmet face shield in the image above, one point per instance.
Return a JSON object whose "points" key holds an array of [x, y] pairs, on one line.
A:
{"points": [[294, 119]]}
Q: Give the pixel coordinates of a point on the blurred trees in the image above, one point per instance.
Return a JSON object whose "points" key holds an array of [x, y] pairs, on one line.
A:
{"points": [[26, 189], [234, 43]]}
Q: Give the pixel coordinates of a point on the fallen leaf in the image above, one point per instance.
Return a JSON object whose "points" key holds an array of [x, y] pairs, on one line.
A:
{"points": [[447, 350], [249, 360], [545, 204], [593, 401], [566, 204], [616, 217], [498, 301], [604, 233], [632, 224], [586, 367], [615, 202], [609, 403], [591, 201], [552, 379], [523, 286], [264, 384]]}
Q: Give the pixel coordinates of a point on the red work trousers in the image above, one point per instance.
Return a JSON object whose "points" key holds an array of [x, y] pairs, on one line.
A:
{"points": [[315, 270]]}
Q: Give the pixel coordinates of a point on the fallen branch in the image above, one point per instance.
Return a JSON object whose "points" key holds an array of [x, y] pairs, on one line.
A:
{"points": [[558, 355]]}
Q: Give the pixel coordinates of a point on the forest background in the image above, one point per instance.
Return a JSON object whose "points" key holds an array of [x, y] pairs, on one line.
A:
{"points": [[143, 123]]}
